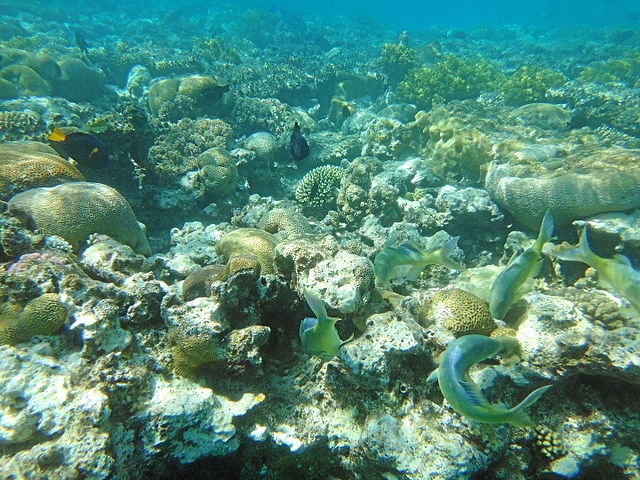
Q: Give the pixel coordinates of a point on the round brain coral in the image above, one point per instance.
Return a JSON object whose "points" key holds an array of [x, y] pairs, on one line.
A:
{"points": [[25, 165], [198, 283], [218, 173], [75, 210], [318, 189], [252, 242], [284, 221], [43, 315], [461, 312]]}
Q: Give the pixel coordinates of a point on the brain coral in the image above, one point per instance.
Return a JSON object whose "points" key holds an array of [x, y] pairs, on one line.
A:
{"points": [[198, 283], [252, 242], [75, 210], [25, 165], [43, 315], [603, 182], [460, 312], [285, 221], [218, 174], [318, 189]]}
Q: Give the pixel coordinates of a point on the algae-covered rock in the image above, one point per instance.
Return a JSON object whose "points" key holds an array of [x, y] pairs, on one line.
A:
{"points": [[602, 181], [25, 165], [75, 210]]}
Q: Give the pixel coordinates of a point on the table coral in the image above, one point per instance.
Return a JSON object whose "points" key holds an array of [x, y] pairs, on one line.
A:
{"points": [[25, 165], [75, 210]]}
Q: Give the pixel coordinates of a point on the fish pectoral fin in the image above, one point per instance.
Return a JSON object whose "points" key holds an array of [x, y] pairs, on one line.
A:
{"points": [[474, 395], [433, 376]]}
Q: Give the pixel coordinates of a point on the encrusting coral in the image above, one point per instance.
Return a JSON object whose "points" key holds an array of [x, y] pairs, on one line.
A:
{"points": [[44, 315], [75, 210]]}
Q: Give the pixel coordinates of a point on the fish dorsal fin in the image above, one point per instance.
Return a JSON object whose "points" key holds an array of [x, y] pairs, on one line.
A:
{"points": [[57, 135], [392, 239]]}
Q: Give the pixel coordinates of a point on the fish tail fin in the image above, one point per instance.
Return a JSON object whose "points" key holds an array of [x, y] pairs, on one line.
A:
{"points": [[579, 253], [315, 304], [445, 254], [57, 135], [518, 415], [546, 229]]}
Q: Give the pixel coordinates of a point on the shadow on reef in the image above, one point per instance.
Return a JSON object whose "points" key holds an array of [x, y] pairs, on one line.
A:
{"points": [[258, 460]]}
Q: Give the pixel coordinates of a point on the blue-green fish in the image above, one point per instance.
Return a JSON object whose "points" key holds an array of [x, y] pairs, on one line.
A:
{"points": [[615, 273], [407, 260], [464, 396], [319, 335], [506, 288]]}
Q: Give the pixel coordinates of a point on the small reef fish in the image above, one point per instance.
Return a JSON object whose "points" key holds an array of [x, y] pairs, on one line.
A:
{"points": [[299, 146], [615, 273], [506, 288], [319, 335], [81, 41], [464, 396], [83, 147], [407, 260]]}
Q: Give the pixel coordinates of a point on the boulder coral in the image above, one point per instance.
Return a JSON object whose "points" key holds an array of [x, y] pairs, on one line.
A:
{"points": [[44, 315], [76, 210], [78, 81], [460, 312], [249, 242], [604, 181], [206, 94], [218, 174], [25, 165], [26, 81]]}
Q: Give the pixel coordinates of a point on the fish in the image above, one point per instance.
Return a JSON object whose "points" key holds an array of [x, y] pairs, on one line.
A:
{"points": [[465, 396], [83, 147], [408, 260], [81, 41], [507, 287], [299, 146], [615, 273], [318, 335]]}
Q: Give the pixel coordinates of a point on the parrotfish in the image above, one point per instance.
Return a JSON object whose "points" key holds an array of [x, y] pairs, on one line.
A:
{"points": [[299, 146], [319, 335], [464, 396], [407, 260], [83, 147], [615, 273], [506, 288]]}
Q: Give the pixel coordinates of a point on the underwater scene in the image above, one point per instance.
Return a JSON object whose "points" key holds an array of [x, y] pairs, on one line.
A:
{"points": [[366, 240]]}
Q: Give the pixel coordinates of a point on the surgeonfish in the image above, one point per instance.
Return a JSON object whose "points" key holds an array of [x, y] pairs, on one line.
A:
{"points": [[464, 396], [407, 260], [615, 273], [506, 288], [83, 147], [299, 146], [319, 335]]}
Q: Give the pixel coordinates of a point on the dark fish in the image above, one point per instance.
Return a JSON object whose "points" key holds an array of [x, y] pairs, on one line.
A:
{"points": [[299, 146], [81, 41], [83, 147]]}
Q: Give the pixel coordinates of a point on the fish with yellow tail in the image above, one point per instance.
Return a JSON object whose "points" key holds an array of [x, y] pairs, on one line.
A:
{"points": [[318, 335], [507, 288], [407, 260], [464, 396], [615, 273]]}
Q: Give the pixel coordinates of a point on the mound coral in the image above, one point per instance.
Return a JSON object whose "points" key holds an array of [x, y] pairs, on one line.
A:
{"points": [[25, 165], [604, 181], [44, 315], [198, 283], [78, 81], [249, 242], [318, 189], [218, 174], [285, 221], [75, 210], [26, 81], [460, 312]]}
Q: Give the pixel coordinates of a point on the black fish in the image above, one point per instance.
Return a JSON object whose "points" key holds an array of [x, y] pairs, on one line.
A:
{"points": [[81, 42], [82, 147], [299, 146]]}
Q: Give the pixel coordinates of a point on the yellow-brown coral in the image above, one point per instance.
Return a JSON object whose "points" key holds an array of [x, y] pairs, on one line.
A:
{"points": [[198, 283], [25, 165], [43, 315], [252, 242], [284, 221], [461, 312]]}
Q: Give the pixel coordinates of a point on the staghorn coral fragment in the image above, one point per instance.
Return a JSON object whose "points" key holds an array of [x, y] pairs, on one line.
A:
{"points": [[75, 210]]}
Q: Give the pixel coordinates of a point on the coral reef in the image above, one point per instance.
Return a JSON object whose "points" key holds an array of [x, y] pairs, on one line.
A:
{"points": [[44, 315], [459, 311], [75, 210], [318, 189], [249, 242]]}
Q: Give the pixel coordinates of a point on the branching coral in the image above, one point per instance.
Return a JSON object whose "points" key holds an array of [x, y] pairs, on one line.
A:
{"points": [[318, 189]]}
